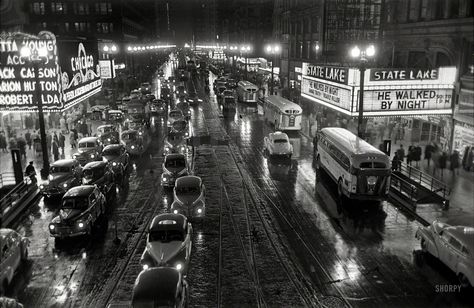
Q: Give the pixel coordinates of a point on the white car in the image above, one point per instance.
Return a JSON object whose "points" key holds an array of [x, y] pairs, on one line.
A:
{"points": [[13, 250], [168, 242], [88, 149], [189, 197], [278, 144], [452, 245], [174, 166]]}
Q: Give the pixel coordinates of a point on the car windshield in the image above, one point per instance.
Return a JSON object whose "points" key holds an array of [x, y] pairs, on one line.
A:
{"points": [[106, 129], [86, 144], [280, 141], [111, 152], [175, 114], [58, 169], [91, 174], [175, 136], [175, 162], [188, 190], [179, 125], [166, 236], [75, 203], [130, 136]]}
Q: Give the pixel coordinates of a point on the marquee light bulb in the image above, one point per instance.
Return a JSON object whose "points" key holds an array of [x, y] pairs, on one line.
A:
{"points": [[106, 48], [25, 52], [370, 52], [355, 52], [114, 48]]}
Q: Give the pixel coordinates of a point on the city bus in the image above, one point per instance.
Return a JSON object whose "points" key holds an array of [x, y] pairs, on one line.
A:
{"points": [[282, 113], [360, 170], [246, 92]]}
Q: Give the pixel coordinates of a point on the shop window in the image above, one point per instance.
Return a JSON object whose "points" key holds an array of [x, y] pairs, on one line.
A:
{"points": [[38, 8]]}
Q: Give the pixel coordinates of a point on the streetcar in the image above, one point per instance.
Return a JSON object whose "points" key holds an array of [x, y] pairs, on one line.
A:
{"points": [[246, 92], [136, 141], [282, 113], [360, 170]]}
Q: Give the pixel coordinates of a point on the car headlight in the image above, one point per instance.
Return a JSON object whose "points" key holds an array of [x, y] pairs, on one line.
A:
{"points": [[140, 133], [92, 155], [133, 147], [108, 139], [199, 211], [145, 266], [168, 122], [175, 212], [165, 179], [80, 225], [179, 266], [41, 186], [51, 227], [50, 177], [114, 164], [65, 185]]}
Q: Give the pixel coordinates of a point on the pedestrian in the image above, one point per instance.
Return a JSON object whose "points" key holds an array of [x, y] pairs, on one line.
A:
{"points": [[62, 124], [443, 159], [401, 153], [72, 140], [55, 137], [69, 123], [395, 163], [21, 142], [28, 139], [3, 142], [429, 149], [31, 172], [12, 143], [417, 155], [55, 150], [454, 162], [62, 141], [410, 155]]}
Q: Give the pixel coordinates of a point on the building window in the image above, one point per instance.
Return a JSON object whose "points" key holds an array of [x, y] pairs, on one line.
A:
{"points": [[306, 25], [103, 8], [38, 8], [81, 27], [413, 10], [454, 8], [44, 25], [81, 8], [105, 27], [315, 25], [58, 8], [424, 9], [66, 26]]}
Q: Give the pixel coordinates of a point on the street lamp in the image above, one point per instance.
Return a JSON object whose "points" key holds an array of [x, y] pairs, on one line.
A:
{"points": [[42, 53], [245, 49], [362, 55], [272, 49], [111, 50]]}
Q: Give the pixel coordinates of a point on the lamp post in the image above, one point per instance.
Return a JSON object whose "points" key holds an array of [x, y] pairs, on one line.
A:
{"points": [[233, 49], [272, 49], [25, 52], [363, 57], [111, 51]]}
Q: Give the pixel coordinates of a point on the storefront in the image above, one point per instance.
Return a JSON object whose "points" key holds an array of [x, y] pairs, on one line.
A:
{"points": [[68, 74], [406, 105]]}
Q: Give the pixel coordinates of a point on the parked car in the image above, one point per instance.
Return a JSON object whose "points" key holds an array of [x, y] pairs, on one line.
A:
{"points": [[80, 210], [278, 144], [452, 245], [189, 197], [88, 149], [117, 156], [175, 143], [101, 174], [168, 242], [174, 166], [108, 134], [160, 287], [63, 174], [14, 250]]}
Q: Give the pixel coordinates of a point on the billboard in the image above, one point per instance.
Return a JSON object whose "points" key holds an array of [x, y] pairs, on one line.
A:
{"points": [[330, 94], [18, 72], [329, 73], [80, 71]]}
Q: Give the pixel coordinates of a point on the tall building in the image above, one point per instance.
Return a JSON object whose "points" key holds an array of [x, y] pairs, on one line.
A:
{"points": [[204, 21], [431, 34]]}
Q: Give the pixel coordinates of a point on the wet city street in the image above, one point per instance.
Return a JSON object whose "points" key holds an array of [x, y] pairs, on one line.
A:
{"points": [[274, 235]]}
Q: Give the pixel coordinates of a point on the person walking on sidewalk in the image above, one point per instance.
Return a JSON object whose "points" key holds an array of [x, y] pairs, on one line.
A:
{"points": [[55, 150], [62, 141], [22, 146], [49, 142], [401, 153], [62, 124], [12, 143], [31, 172], [72, 140], [28, 139], [428, 152], [396, 163], [454, 162], [442, 161], [3, 142]]}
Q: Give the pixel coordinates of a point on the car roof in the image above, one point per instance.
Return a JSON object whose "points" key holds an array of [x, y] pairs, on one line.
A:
{"points": [[115, 111], [463, 234], [279, 135], [64, 163], [94, 164], [174, 156], [5, 232], [88, 139], [106, 125], [189, 180], [79, 191], [180, 220], [156, 283], [112, 146]]}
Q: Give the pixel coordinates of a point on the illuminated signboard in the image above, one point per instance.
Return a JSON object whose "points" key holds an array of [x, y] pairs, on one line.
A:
{"points": [[329, 94], [80, 71], [17, 72], [107, 70], [406, 100], [379, 74], [329, 73]]}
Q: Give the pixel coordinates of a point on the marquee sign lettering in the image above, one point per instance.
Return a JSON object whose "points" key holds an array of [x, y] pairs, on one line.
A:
{"points": [[330, 73], [329, 94], [403, 74]]}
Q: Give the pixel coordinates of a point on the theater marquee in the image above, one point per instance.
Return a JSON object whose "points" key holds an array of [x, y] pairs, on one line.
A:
{"points": [[386, 92]]}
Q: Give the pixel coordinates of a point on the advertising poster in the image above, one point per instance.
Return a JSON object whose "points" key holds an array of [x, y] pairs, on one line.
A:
{"points": [[329, 94]]}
